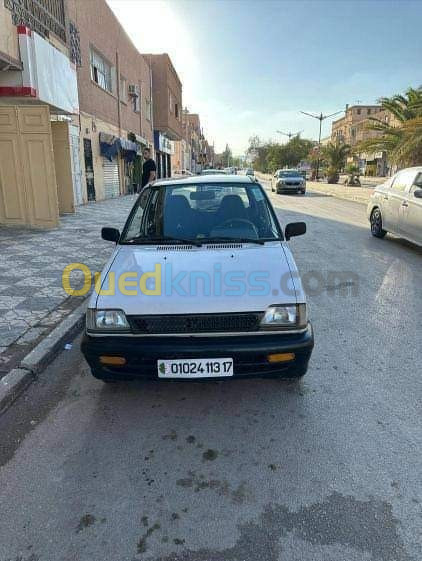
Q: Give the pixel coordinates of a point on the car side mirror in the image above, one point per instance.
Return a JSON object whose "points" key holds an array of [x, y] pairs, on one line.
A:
{"points": [[418, 193], [294, 229], [110, 234]]}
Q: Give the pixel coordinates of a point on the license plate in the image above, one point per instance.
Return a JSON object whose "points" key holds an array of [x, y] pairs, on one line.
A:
{"points": [[195, 368]]}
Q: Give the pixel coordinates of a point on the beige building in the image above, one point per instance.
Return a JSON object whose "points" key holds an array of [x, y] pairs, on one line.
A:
{"points": [[353, 129], [38, 178], [73, 70]]}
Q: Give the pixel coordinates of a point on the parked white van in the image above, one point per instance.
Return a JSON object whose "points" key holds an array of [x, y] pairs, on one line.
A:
{"points": [[201, 284]]}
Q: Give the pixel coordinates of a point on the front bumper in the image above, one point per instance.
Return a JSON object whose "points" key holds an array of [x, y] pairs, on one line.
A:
{"points": [[249, 353], [283, 188]]}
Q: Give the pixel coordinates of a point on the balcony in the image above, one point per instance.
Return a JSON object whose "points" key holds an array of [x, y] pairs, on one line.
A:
{"points": [[42, 16]]}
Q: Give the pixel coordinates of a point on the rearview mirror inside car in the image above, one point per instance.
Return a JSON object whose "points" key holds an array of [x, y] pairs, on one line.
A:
{"points": [[294, 229], [110, 234], [418, 193]]}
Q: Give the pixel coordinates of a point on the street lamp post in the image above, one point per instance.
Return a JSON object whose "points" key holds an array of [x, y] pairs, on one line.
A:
{"points": [[320, 118], [289, 134]]}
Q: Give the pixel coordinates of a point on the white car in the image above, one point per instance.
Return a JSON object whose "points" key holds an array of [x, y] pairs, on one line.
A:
{"points": [[183, 173], [396, 206], [201, 284], [210, 171], [288, 181]]}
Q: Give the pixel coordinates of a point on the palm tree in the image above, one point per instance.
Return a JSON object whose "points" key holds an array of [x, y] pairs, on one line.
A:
{"points": [[402, 143], [335, 155]]}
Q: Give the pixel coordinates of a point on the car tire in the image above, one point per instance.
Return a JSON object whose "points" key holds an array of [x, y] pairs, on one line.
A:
{"points": [[376, 224]]}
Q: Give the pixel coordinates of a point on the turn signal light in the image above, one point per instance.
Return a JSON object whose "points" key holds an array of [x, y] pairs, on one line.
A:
{"points": [[113, 360], [281, 357]]}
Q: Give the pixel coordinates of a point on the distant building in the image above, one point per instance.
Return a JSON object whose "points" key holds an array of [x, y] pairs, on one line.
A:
{"points": [[167, 110], [352, 129]]}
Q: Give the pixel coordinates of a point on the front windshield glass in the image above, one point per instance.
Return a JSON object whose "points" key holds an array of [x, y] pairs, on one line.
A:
{"points": [[288, 173], [201, 213]]}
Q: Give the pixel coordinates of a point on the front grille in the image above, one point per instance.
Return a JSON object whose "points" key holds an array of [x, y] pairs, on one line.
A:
{"points": [[291, 183], [196, 323]]}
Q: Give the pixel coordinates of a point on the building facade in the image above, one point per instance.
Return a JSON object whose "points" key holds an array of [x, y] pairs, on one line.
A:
{"points": [[38, 98], [353, 129], [115, 120], [167, 110]]}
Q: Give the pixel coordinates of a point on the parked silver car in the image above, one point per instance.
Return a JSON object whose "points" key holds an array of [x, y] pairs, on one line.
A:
{"points": [[396, 206], [288, 181]]}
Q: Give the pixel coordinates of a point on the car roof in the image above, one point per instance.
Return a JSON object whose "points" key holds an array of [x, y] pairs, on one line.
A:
{"points": [[289, 169], [199, 179]]}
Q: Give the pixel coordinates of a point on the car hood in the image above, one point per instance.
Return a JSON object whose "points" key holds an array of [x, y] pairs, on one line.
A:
{"points": [[210, 279]]}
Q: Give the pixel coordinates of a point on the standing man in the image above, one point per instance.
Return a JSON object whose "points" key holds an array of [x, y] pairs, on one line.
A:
{"points": [[148, 169]]}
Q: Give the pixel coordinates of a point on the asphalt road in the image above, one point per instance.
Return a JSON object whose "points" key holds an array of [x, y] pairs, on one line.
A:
{"points": [[328, 470]]}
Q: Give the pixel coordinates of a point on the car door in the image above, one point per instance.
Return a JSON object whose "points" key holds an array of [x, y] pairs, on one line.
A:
{"points": [[393, 198], [411, 215]]}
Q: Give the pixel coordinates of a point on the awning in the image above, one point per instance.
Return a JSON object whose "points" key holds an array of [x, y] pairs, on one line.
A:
{"points": [[129, 149], [141, 140], [109, 145]]}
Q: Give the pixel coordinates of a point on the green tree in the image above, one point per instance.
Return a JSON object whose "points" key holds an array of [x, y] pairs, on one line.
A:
{"points": [[402, 143], [335, 155], [257, 152], [289, 154]]}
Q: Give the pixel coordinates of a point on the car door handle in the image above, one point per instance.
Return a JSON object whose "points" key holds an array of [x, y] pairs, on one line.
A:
{"points": [[386, 197], [405, 203]]}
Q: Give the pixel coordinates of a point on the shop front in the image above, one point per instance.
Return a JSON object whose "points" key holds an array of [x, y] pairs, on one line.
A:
{"points": [[163, 151]]}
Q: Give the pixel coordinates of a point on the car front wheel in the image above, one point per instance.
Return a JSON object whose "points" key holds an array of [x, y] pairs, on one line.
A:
{"points": [[376, 224]]}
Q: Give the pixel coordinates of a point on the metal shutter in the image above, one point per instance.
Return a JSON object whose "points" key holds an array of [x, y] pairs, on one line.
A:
{"points": [[111, 178]]}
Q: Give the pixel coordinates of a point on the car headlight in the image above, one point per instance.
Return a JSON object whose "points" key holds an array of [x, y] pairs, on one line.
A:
{"points": [[106, 320], [292, 316]]}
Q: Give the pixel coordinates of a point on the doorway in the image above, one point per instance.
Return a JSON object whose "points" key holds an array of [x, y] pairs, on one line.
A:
{"points": [[89, 170]]}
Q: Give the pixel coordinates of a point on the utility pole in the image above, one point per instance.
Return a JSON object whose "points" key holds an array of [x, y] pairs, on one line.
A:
{"points": [[320, 118], [289, 134]]}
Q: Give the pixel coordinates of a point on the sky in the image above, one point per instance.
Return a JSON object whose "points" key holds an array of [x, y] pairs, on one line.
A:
{"points": [[250, 67]]}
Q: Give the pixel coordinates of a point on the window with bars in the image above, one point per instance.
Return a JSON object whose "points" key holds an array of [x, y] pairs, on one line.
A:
{"points": [[42, 16], [101, 71]]}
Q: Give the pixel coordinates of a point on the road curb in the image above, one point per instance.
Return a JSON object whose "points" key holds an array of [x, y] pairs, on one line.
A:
{"points": [[18, 379], [12, 385]]}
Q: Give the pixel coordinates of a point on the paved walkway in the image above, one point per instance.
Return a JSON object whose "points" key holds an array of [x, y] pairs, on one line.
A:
{"points": [[32, 298]]}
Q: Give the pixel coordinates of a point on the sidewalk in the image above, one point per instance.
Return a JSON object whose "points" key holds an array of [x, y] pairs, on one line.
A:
{"points": [[32, 299]]}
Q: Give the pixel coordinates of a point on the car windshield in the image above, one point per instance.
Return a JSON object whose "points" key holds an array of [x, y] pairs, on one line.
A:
{"points": [[288, 173], [200, 213]]}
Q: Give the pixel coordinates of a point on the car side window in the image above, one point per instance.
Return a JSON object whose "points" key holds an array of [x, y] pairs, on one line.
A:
{"points": [[417, 184], [403, 181], [135, 225]]}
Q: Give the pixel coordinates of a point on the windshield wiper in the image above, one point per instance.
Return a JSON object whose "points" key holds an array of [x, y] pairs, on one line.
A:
{"points": [[224, 239], [165, 239]]}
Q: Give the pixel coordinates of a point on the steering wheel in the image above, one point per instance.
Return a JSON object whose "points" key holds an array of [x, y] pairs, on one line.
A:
{"points": [[231, 222]]}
